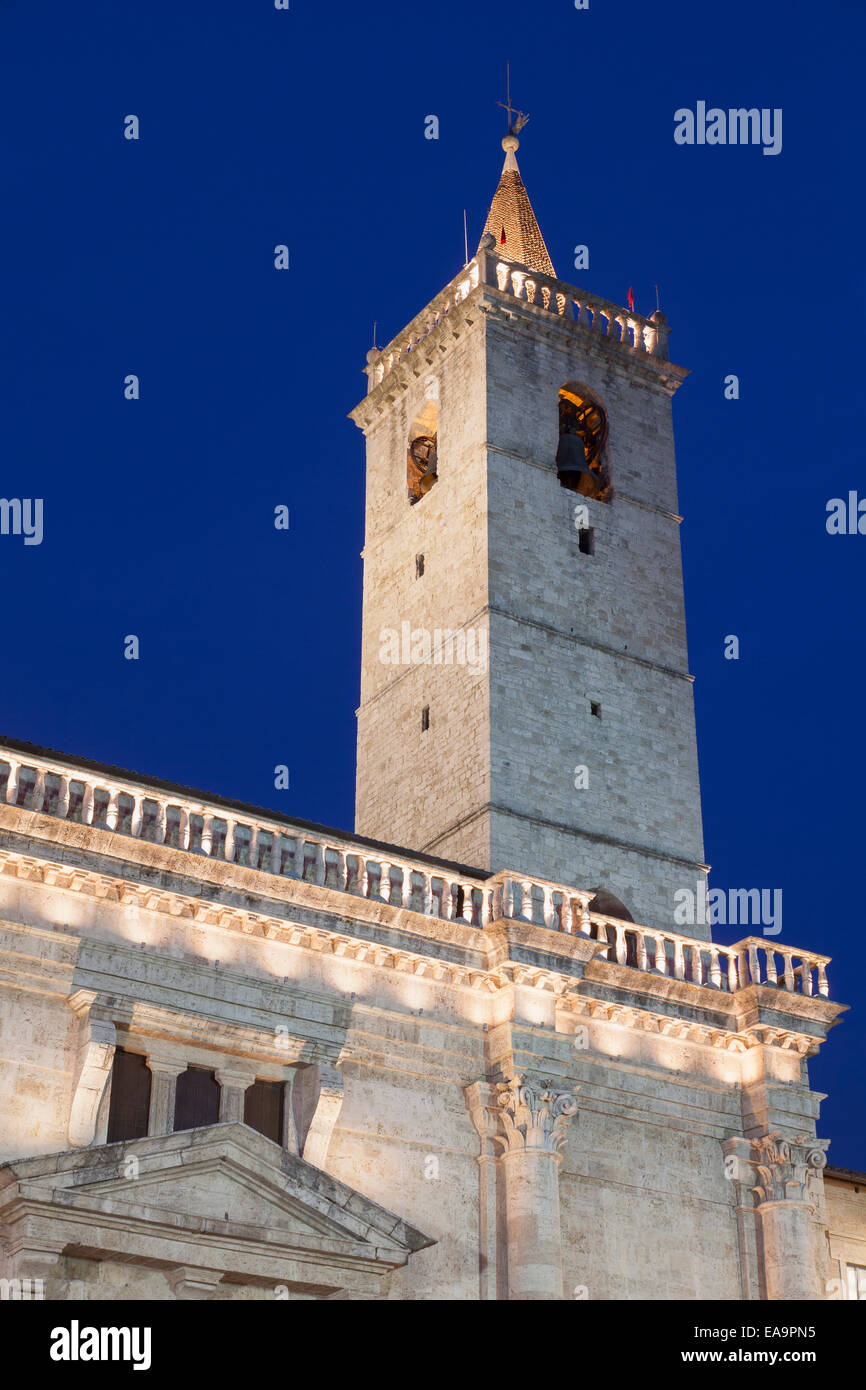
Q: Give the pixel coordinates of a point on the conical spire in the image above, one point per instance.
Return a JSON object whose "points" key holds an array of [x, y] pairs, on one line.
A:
{"points": [[511, 221]]}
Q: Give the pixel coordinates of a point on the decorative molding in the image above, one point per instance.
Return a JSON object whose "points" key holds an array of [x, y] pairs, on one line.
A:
{"points": [[783, 1167], [325, 1116], [533, 1115], [94, 1062]]}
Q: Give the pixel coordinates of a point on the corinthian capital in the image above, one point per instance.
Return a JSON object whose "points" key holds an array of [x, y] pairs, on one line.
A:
{"points": [[783, 1167], [533, 1115]]}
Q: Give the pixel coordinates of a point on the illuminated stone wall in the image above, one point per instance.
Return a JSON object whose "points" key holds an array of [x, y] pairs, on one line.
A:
{"points": [[461, 1071]]}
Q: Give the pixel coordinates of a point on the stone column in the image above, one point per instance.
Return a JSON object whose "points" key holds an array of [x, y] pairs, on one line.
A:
{"points": [[483, 1111], [781, 1171], [162, 1094], [234, 1082], [534, 1117]]}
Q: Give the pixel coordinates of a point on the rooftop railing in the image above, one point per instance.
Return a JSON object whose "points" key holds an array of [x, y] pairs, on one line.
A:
{"points": [[647, 336]]}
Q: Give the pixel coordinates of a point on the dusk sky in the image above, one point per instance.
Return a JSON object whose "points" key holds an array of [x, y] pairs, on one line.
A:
{"points": [[307, 127]]}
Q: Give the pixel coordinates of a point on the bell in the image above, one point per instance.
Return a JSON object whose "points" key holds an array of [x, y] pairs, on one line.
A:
{"points": [[571, 466], [423, 455]]}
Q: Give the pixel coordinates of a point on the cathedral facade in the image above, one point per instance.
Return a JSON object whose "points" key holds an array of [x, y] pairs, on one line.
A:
{"points": [[470, 1050]]}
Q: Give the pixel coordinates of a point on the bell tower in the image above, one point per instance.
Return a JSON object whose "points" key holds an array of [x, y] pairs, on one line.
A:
{"points": [[525, 695]]}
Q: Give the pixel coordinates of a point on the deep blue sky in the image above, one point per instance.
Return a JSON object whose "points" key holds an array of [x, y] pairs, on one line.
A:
{"points": [[260, 127]]}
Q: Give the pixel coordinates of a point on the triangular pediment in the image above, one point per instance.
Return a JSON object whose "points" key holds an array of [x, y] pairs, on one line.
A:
{"points": [[222, 1197]]}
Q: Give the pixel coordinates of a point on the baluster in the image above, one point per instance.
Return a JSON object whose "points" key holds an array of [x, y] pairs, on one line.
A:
{"points": [[229, 846], [276, 854], [332, 867], [160, 822], [743, 969], [62, 807], [38, 795], [476, 907], [372, 878], [396, 885], [661, 954], [582, 315], [548, 909], [135, 819], [12, 784], [536, 905], [183, 828], [807, 977], [111, 809], [789, 971], [621, 944], [733, 982], [642, 957], [770, 958], [87, 804], [253, 859], [715, 969], [754, 964], [206, 833], [823, 986], [697, 965], [679, 961]]}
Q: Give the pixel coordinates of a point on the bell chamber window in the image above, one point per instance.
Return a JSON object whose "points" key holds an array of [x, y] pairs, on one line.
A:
{"points": [[581, 458], [421, 458]]}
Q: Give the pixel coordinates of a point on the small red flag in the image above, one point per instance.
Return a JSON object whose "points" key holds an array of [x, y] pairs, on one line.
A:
{"points": [[630, 298], [502, 237]]}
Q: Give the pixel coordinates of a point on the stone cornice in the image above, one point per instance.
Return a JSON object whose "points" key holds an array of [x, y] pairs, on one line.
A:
{"points": [[509, 954]]}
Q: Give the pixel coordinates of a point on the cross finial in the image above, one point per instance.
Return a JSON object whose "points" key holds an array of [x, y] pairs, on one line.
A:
{"points": [[518, 120]]}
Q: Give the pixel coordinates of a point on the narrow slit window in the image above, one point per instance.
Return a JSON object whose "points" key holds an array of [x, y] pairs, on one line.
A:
{"points": [[425, 719], [419, 566], [595, 709], [586, 540]]}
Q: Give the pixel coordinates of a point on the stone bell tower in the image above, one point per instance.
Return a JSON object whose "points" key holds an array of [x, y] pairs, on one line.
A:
{"points": [[525, 695]]}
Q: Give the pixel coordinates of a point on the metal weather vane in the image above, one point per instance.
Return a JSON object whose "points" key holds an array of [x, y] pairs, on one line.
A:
{"points": [[518, 120]]}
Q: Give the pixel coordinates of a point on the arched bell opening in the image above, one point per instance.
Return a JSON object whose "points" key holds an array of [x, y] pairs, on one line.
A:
{"points": [[581, 457], [604, 904], [421, 456]]}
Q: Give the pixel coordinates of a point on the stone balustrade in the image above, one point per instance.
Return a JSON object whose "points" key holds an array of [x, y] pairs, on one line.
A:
{"points": [[276, 847], [628, 329], [412, 338], [727, 968], [600, 316], [270, 846]]}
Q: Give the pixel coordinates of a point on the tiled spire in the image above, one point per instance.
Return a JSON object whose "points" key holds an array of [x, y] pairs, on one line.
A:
{"points": [[511, 221]]}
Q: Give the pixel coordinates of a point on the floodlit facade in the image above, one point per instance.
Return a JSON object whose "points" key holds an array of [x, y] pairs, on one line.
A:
{"points": [[467, 1051]]}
